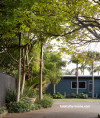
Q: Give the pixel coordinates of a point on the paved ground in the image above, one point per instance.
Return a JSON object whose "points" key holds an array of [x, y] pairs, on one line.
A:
{"points": [[64, 109]]}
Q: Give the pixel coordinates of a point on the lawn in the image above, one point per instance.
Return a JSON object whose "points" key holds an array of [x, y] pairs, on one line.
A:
{"points": [[76, 99]]}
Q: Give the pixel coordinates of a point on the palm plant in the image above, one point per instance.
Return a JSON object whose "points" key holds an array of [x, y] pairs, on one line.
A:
{"points": [[91, 58], [82, 68]]}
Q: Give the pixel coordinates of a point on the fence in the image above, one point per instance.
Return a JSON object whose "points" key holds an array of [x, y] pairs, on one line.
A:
{"points": [[6, 82]]}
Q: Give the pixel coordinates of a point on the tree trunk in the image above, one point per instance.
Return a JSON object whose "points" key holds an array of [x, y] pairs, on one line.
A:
{"points": [[54, 88], [41, 63], [83, 71], [19, 69], [24, 72], [92, 80], [77, 77], [98, 72], [27, 58]]}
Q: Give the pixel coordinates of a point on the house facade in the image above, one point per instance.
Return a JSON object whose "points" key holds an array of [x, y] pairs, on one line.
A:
{"points": [[68, 85]]}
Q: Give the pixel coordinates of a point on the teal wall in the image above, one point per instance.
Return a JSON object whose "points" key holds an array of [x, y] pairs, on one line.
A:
{"points": [[64, 86]]}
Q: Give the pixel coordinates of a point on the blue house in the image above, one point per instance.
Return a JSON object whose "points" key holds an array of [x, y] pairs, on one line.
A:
{"points": [[68, 85]]}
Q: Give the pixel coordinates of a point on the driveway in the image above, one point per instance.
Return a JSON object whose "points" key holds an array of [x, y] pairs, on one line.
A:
{"points": [[64, 109]]}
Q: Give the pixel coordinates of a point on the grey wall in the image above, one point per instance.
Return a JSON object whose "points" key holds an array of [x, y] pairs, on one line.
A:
{"points": [[6, 82]]}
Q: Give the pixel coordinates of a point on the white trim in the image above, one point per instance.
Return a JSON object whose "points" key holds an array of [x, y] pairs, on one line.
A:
{"points": [[78, 84]]}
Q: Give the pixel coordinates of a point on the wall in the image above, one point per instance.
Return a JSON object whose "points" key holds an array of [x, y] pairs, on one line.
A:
{"points": [[64, 86], [6, 82]]}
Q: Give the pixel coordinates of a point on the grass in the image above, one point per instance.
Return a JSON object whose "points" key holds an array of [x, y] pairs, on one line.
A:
{"points": [[75, 99]]}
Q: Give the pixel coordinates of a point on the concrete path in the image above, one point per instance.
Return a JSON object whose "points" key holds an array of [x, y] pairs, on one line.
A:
{"points": [[64, 109]]}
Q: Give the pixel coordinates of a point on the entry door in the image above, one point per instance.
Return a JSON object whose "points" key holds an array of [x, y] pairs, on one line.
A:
{"points": [[90, 86]]}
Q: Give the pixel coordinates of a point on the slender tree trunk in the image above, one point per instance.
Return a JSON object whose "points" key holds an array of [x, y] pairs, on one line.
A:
{"points": [[24, 72], [27, 58], [54, 88], [92, 80], [98, 72], [83, 71], [77, 77], [41, 63], [19, 69]]}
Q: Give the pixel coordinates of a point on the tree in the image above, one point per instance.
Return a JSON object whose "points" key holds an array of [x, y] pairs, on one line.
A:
{"points": [[84, 21], [52, 67], [40, 18], [77, 58], [69, 72], [82, 67], [91, 57]]}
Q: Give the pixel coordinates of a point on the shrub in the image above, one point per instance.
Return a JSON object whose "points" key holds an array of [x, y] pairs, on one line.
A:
{"points": [[58, 96], [44, 103], [3, 109], [28, 93], [24, 106], [10, 96], [82, 95], [47, 102], [18, 107]]}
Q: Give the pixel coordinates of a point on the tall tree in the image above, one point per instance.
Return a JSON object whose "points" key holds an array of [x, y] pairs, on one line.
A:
{"points": [[52, 67], [91, 58]]}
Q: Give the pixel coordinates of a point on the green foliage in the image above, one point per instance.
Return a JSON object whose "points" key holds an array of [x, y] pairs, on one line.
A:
{"points": [[29, 92], [52, 66], [2, 110], [58, 96], [19, 107], [69, 72], [10, 96], [24, 106], [44, 103], [47, 102], [82, 95]]}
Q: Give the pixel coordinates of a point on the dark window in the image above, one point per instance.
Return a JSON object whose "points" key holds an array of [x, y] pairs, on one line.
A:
{"points": [[81, 84], [74, 84]]}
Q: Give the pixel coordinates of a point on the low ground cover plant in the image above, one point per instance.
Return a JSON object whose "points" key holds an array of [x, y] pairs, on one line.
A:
{"points": [[58, 96], [82, 95], [46, 102]]}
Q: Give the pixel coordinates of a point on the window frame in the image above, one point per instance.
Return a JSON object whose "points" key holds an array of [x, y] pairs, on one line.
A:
{"points": [[78, 84]]}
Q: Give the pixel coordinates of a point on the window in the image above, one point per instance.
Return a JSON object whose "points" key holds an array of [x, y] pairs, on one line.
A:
{"points": [[81, 85], [74, 84]]}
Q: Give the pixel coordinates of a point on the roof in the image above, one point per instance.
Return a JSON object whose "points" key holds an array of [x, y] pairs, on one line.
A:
{"points": [[80, 76]]}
